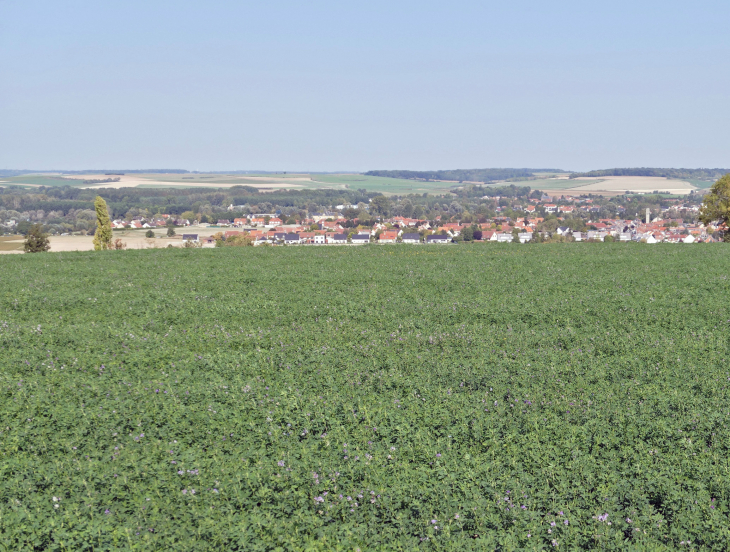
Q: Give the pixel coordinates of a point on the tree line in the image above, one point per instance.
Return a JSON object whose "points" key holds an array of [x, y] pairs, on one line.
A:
{"points": [[699, 174], [462, 175]]}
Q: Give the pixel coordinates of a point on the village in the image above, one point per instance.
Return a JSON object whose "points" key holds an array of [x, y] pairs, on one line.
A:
{"points": [[333, 228]]}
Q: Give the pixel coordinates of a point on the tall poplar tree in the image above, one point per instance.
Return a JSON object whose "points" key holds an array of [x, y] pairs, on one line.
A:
{"points": [[103, 235], [716, 206]]}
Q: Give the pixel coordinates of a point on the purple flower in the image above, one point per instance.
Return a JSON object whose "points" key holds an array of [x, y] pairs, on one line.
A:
{"points": [[566, 522], [438, 455], [107, 512], [552, 524], [433, 521], [280, 463]]}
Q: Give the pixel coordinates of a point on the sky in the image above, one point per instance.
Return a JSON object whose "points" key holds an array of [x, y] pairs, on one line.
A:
{"points": [[354, 86]]}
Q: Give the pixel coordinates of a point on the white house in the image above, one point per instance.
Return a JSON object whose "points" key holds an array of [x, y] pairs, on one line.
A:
{"points": [[360, 238]]}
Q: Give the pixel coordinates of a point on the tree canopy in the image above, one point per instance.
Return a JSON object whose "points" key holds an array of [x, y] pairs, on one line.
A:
{"points": [[103, 234], [716, 204], [463, 175]]}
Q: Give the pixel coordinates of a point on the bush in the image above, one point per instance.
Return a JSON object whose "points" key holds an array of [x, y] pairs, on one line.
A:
{"points": [[149, 234], [36, 241]]}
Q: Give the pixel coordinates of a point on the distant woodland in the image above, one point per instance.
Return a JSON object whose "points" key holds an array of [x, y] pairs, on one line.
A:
{"points": [[667, 173], [465, 175]]}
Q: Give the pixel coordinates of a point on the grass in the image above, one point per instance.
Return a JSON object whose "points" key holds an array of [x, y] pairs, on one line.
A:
{"points": [[381, 398]]}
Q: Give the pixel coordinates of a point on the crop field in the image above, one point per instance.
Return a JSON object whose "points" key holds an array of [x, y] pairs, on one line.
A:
{"points": [[262, 181], [549, 184], [384, 185], [468, 397]]}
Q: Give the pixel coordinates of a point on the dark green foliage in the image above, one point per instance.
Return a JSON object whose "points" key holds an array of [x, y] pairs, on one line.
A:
{"points": [[716, 205], [644, 171], [463, 175], [170, 231], [149, 234], [36, 241], [469, 381]]}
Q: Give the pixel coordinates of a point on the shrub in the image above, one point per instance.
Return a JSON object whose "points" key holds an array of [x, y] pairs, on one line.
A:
{"points": [[36, 241]]}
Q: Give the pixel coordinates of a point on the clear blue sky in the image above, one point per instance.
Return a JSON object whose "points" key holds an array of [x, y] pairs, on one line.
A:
{"points": [[345, 85]]}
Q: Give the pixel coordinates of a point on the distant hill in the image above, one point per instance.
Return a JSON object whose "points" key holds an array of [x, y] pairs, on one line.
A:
{"points": [[465, 175], [667, 173], [14, 172]]}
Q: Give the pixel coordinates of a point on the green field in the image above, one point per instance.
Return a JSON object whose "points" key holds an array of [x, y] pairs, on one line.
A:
{"points": [[41, 180], [383, 184], [551, 183], [702, 184], [471, 397]]}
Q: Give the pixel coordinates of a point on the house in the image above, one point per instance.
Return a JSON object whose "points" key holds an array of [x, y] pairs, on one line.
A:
{"points": [[411, 238], [624, 236], [224, 222], [337, 238], [594, 235], [438, 238], [280, 236], [453, 228], [231, 233], [191, 238], [360, 238], [388, 237], [306, 237], [563, 230], [524, 237], [550, 208], [290, 239], [239, 221], [688, 239], [503, 238], [566, 209], [578, 236], [209, 242]]}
